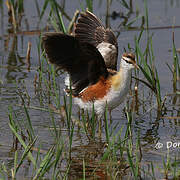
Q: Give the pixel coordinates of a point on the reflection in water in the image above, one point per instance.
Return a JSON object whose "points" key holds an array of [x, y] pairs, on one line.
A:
{"points": [[90, 156], [14, 62], [15, 12]]}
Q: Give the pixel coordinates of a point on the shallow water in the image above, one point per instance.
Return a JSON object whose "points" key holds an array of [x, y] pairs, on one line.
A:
{"points": [[14, 75]]}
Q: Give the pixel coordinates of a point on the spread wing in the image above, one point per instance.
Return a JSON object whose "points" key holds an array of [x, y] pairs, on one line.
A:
{"points": [[81, 60], [90, 29]]}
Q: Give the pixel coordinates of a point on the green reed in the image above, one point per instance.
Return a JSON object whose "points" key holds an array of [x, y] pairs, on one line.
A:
{"points": [[93, 122], [17, 164], [45, 164], [117, 144], [17, 6], [170, 166], [53, 156], [56, 15], [153, 173], [15, 12], [57, 6], [166, 165], [127, 4], [89, 5], [54, 87], [84, 170], [175, 168], [41, 166], [70, 124], [146, 60], [107, 126], [175, 70], [13, 125], [119, 147], [176, 66], [129, 149]]}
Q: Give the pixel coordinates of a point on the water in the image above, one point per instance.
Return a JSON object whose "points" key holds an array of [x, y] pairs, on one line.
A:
{"points": [[15, 77]]}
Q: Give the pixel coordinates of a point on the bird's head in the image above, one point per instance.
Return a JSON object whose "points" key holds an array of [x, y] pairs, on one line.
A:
{"points": [[128, 61]]}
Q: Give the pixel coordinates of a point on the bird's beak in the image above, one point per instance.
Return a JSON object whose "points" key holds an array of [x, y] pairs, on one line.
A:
{"points": [[136, 66]]}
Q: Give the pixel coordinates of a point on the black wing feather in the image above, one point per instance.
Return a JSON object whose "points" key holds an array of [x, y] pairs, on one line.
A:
{"points": [[81, 60]]}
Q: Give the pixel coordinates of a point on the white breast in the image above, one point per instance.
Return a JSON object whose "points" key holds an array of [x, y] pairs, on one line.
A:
{"points": [[114, 98]]}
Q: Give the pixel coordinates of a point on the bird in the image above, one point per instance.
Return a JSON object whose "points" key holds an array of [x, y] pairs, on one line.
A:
{"points": [[89, 56]]}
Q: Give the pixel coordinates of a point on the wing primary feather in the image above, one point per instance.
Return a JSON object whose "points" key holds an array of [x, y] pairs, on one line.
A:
{"points": [[90, 29], [81, 60]]}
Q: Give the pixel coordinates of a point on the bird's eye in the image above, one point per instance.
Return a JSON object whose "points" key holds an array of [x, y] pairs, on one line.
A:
{"points": [[129, 57], [129, 62]]}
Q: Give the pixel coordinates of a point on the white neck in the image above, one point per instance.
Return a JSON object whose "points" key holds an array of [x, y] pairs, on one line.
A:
{"points": [[125, 74], [122, 78]]}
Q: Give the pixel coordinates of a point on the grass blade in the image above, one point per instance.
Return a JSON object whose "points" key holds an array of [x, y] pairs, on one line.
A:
{"points": [[23, 144]]}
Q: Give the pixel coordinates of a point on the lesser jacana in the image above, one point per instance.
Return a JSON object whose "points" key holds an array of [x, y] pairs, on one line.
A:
{"points": [[90, 58]]}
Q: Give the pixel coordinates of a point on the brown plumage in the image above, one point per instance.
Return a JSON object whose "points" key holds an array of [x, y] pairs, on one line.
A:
{"points": [[89, 29], [96, 91]]}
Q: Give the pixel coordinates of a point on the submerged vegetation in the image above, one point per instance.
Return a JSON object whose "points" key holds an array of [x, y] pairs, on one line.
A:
{"points": [[79, 146]]}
